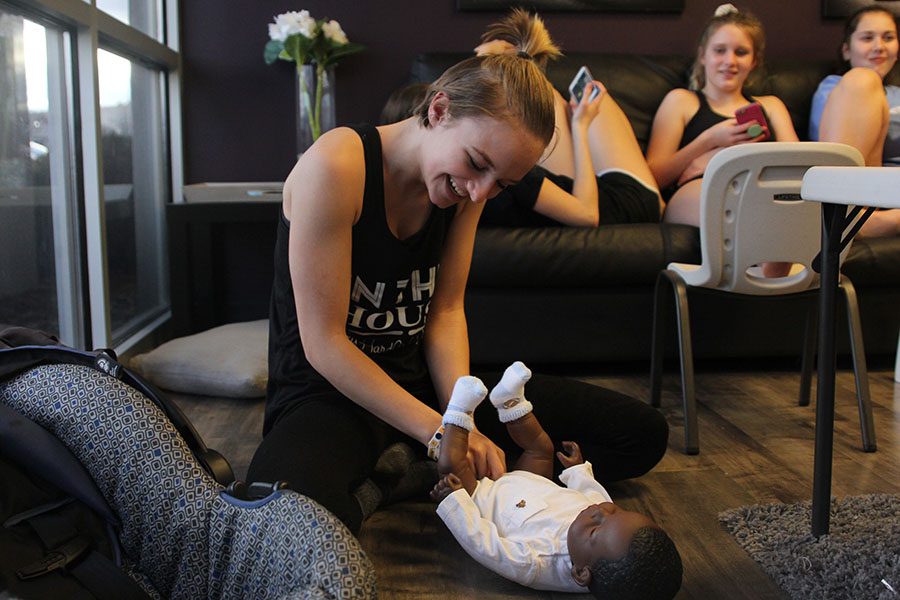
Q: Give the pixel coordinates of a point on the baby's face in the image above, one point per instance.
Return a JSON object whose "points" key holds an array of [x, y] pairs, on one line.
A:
{"points": [[603, 531]]}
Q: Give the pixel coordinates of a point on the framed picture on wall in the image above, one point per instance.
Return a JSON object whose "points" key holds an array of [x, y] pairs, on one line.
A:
{"points": [[645, 6], [839, 9]]}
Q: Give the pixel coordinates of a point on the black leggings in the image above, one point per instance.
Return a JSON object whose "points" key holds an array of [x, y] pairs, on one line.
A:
{"points": [[326, 446]]}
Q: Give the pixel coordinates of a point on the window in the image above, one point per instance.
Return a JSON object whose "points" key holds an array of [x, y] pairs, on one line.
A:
{"points": [[143, 15], [39, 270], [134, 189], [88, 159]]}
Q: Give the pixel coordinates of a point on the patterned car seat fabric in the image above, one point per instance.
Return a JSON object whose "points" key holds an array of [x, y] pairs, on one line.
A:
{"points": [[183, 537]]}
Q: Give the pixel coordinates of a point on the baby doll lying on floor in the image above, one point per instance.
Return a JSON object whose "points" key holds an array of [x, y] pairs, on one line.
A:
{"points": [[533, 531]]}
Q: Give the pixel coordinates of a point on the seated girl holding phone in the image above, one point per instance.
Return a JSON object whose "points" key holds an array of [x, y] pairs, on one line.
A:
{"points": [[593, 172], [858, 108], [690, 126]]}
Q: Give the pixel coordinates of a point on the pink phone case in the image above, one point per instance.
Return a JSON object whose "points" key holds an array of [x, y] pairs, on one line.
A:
{"points": [[753, 112]]}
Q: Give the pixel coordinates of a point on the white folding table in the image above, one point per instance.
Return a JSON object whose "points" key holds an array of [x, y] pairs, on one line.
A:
{"points": [[837, 188]]}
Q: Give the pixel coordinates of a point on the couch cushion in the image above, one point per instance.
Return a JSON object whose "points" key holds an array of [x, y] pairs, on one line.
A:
{"points": [[874, 262], [574, 257]]}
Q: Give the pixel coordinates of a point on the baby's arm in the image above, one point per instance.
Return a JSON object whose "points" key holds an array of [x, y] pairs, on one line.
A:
{"points": [[579, 475]]}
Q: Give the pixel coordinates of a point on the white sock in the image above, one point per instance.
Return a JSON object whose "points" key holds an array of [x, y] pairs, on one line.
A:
{"points": [[508, 396], [468, 392]]}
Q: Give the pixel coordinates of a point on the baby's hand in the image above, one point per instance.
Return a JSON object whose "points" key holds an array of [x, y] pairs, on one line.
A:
{"points": [[445, 486], [572, 455]]}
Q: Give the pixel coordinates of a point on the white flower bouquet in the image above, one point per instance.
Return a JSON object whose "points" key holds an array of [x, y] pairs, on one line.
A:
{"points": [[298, 37]]}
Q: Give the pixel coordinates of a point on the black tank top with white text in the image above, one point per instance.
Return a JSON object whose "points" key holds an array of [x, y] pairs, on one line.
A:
{"points": [[392, 282]]}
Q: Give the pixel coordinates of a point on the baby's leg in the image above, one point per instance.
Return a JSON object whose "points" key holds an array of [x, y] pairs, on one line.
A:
{"points": [[454, 456], [536, 445], [525, 430], [466, 396]]}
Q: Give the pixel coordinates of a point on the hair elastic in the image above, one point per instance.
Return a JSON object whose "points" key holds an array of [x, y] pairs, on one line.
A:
{"points": [[725, 9]]}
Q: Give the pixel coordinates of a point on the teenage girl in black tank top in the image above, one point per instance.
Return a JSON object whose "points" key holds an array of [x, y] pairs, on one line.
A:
{"points": [[704, 119], [691, 126], [368, 334]]}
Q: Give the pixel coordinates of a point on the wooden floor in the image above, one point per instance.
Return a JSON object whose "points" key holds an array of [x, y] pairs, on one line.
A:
{"points": [[755, 447]]}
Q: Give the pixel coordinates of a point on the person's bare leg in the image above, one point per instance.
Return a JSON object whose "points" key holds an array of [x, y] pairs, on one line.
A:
{"points": [[467, 394], [508, 397], [857, 114], [882, 223], [454, 459], [614, 146], [559, 157], [536, 445], [684, 205]]}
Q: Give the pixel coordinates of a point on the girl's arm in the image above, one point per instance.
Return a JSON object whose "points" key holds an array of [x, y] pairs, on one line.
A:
{"points": [[323, 198], [580, 208], [781, 124], [446, 331], [667, 162], [665, 159]]}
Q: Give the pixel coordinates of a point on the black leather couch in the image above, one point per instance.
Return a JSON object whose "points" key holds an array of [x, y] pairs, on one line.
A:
{"points": [[573, 295]]}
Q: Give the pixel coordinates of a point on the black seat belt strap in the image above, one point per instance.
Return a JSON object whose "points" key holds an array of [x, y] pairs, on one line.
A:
{"points": [[68, 550]]}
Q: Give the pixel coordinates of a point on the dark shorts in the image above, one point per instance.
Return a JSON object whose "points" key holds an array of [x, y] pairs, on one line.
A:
{"points": [[624, 199]]}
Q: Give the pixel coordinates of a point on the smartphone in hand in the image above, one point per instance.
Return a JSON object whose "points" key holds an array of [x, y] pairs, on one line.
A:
{"points": [[582, 78], [753, 112]]}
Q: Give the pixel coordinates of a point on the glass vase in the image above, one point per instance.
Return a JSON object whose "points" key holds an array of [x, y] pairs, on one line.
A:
{"points": [[315, 104]]}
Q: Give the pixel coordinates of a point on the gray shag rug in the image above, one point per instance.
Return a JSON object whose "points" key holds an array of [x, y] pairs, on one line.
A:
{"points": [[859, 558]]}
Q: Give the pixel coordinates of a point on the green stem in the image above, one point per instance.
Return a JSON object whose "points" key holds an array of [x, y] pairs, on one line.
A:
{"points": [[320, 81], [311, 114]]}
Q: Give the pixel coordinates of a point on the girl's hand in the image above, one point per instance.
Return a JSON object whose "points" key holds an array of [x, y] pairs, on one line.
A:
{"points": [[584, 112], [487, 459], [571, 456], [729, 132]]}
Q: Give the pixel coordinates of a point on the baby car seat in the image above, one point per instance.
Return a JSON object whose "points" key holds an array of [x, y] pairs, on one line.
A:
{"points": [[175, 530]]}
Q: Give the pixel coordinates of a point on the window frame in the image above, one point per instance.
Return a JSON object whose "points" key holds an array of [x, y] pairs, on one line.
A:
{"points": [[89, 30]]}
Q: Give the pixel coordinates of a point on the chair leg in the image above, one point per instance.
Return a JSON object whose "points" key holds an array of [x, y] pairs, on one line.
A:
{"points": [[809, 355], [866, 420], [691, 434], [657, 341]]}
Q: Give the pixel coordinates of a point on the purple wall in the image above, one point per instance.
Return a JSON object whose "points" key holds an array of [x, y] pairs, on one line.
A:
{"points": [[239, 113]]}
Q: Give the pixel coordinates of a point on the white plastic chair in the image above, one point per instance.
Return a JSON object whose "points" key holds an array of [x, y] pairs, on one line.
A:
{"points": [[751, 213]]}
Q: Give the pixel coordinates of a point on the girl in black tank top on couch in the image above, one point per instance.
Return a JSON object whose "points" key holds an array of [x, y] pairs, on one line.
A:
{"points": [[690, 126], [367, 330]]}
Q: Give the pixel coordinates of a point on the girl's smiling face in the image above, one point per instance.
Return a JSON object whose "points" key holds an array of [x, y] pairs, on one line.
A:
{"points": [[473, 158], [728, 58], [873, 44]]}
